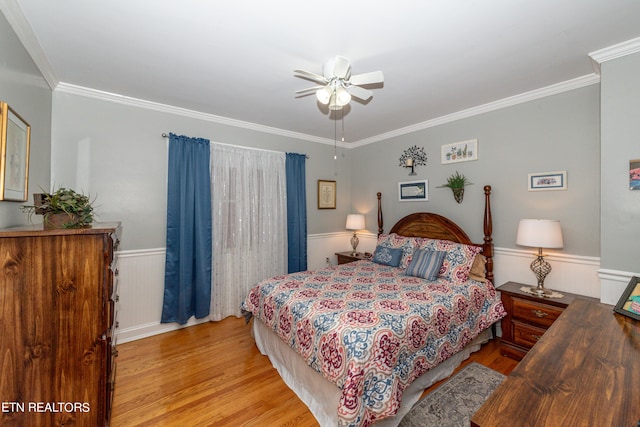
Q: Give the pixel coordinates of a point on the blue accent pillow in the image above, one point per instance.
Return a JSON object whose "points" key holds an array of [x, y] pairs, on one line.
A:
{"points": [[425, 264], [387, 256]]}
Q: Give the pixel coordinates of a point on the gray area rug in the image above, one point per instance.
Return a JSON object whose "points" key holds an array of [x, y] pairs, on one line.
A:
{"points": [[453, 403]]}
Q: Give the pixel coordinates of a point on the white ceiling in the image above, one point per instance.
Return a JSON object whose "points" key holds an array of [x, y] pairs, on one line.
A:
{"points": [[235, 59]]}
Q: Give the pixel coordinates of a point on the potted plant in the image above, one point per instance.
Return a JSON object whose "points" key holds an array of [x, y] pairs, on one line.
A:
{"points": [[456, 183], [63, 208]]}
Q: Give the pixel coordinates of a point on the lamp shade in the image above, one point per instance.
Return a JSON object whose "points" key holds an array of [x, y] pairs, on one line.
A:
{"points": [[355, 222], [539, 233]]}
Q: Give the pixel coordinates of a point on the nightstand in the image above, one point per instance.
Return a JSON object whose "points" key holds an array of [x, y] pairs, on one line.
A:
{"points": [[346, 257], [528, 317]]}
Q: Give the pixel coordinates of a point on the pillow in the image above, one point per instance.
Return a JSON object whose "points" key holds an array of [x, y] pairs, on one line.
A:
{"points": [[477, 271], [407, 244], [458, 261], [426, 264], [387, 256]]}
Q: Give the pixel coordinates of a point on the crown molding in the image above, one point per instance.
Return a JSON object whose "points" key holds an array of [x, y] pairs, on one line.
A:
{"points": [[164, 108], [27, 37], [568, 85], [554, 89], [616, 51]]}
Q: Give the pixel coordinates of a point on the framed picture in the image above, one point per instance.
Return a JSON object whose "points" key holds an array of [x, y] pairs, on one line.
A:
{"points": [[548, 181], [413, 191], [15, 135], [634, 174], [629, 304], [462, 151], [326, 194]]}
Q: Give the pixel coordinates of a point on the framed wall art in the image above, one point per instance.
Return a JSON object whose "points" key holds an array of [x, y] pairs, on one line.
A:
{"points": [[629, 303], [462, 151], [326, 194], [15, 136], [413, 191], [547, 181], [634, 174]]}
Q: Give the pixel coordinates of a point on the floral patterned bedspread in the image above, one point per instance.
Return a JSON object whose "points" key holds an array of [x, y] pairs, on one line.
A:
{"points": [[372, 330]]}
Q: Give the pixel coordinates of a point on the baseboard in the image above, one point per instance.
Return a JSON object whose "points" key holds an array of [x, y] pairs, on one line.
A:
{"points": [[153, 328]]}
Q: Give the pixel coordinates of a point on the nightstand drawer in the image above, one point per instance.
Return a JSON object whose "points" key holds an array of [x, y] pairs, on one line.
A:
{"points": [[526, 335], [536, 313]]}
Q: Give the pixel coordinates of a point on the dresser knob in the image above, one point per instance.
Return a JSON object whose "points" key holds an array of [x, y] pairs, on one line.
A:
{"points": [[540, 313], [536, 337]]}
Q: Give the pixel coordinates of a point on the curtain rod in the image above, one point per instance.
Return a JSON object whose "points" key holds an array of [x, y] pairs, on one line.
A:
{"points": [[164, 135]]}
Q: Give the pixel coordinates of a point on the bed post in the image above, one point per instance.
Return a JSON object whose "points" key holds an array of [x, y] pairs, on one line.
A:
{"points": [[488, 231], [380, 229]]}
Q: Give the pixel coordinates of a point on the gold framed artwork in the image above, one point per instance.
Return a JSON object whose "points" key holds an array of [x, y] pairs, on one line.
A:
{"points": [[326, 194], [15, 136]]}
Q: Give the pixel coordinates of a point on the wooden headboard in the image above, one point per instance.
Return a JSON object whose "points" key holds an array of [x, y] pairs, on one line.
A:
{"points": [[434, 226]]}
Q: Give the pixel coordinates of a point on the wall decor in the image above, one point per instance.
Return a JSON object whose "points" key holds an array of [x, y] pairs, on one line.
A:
{"points": [[326, 194], [462, 151], [547, 181], [413, 191], [456, 183], [413, 157], [15, 136], [629, 303], [634, 174]]}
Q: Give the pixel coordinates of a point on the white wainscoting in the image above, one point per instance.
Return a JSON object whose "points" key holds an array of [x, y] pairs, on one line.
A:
{"points": [[141, 279], [613, 284], [141, 292], [569, 273]]}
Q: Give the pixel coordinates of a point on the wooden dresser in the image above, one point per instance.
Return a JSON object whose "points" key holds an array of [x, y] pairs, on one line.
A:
{"points": [[58, 293], [584, 371], [528, 317]]}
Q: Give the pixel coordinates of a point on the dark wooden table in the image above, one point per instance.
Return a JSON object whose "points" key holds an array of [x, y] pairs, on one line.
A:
{"points": [[584, 371]]}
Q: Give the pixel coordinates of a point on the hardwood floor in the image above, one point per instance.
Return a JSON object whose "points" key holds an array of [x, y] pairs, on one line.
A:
{"points": [[213, 375]]}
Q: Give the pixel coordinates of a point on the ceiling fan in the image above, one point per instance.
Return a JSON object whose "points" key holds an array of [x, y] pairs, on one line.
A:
{"points": [[337, 84]]}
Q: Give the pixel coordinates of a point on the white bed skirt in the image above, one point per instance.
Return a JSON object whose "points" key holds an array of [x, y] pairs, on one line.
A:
{"points": [[321, 396]]}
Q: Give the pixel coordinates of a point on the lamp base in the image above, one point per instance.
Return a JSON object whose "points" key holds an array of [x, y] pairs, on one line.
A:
{"points": [[354, 244]]}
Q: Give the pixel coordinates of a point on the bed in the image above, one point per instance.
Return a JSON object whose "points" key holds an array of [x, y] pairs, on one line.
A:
{"points": [[359, 342]]}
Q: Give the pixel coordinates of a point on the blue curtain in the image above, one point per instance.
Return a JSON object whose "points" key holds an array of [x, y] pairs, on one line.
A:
{"points": [[187, 278], [296, 212]]}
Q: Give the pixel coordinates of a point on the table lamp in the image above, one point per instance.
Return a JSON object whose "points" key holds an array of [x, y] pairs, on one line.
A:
{"points": [[355, 222], [540, 233]]}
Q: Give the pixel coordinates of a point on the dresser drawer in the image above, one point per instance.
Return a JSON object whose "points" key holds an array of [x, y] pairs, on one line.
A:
{"points": [[537, 313], [526, 335]]}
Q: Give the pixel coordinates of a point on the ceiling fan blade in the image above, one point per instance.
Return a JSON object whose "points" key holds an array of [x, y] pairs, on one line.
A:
{"points": [[309, 89], [311, 76], [341, 67], [360, 93], [367, 78]]}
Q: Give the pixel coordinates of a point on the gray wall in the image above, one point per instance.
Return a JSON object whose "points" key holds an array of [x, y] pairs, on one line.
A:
{"points": [[556, 133], [25, 90], [620, 143], [116, 153]]}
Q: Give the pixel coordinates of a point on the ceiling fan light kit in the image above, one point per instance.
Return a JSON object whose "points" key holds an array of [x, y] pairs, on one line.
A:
{"points": [[338, 85]]}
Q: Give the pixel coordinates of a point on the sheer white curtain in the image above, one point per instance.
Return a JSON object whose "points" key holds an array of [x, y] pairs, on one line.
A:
{"points": [[249, 207]]}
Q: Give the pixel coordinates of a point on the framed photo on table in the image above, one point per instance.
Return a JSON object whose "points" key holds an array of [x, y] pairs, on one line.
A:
{"points": [[629, 303], [15, 136], [326, 194]]}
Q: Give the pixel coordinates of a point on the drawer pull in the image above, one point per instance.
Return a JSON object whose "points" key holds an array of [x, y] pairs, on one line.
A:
{"points": [[540, 313], [536, 337]]}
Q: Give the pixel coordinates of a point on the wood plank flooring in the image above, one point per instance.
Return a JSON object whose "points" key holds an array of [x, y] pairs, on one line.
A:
{"points": [[212, 374]]}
